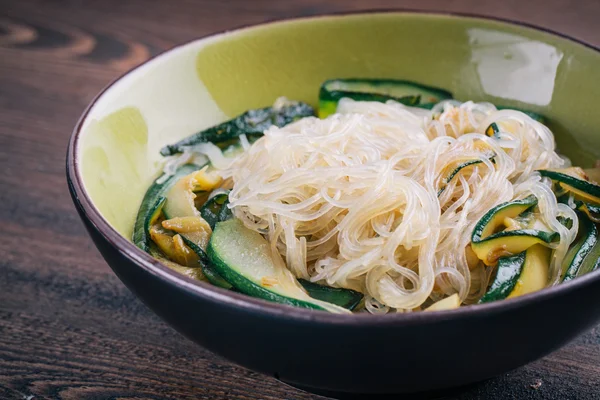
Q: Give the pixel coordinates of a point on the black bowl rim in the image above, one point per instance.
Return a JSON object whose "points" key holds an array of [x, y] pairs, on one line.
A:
{"points": [[270, 309]]}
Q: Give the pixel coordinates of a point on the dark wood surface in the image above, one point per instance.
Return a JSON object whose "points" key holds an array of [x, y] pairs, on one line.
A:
{"points": [[68, 328]]}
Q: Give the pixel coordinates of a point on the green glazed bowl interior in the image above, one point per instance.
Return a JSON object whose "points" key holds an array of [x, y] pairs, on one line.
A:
{"points": [[209, 80]]}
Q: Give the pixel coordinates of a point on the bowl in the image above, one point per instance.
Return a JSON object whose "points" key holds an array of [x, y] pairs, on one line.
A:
{"points": [[113, 156]]}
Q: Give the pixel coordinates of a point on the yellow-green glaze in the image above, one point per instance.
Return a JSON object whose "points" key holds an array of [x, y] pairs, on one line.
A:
{"points": [[162, 101], [116, 172], [200, 84]]}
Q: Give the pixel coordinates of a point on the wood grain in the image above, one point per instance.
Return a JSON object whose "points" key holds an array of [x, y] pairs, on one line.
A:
{"points": [[68, 328]]}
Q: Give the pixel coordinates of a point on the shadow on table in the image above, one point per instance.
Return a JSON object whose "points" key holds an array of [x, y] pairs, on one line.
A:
{"points": [[465, 392]]}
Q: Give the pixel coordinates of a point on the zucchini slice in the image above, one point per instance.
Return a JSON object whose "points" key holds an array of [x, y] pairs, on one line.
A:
{"points": [[586, 195], [587, 237], [455, 172], [213, 210], [181, 206], [492, 130], [243, 257], [346, 298], [591, 210], [193, 229], [187, 225], [449, 303], [180, 197], [490, 245], [565, 221], [147, 217], [195, 233], [381, 90], [581, 188], [194, 273], [494, 218], [207, 268], [186, 219], [253, 122], [173, 247], [591, 261], [152, 205], [213, 276], [535, 272], [225, 212], [509, 271], [575, 172], [461, 164], [506, 243]]}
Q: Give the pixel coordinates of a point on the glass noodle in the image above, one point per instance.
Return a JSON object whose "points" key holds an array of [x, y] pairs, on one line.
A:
{"points": [[363, 199]]}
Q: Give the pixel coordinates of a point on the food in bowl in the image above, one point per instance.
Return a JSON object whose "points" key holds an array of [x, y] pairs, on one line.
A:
{"points": [[396, 198]]}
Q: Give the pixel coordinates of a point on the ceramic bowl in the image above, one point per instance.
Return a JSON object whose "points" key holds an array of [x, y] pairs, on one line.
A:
{"points": [[114, 155]]}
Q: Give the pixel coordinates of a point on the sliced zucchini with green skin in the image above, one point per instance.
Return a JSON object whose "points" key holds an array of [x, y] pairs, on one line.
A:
{"points": [[181, 195], [213, 277], [346, 298], [564, 199], [591, 210], [494, 218], [146, 217], [582, 195], [194, 273], [505, 243], [196, 249], [225, 213], [181, 205], [209, 271], [449, 303], [525, 220], [535, 272], [173, 247], [456, 170], [565, 221], [428, 106], [490, 245], [535, 116], [492, 130], [587, 237], [150, 203], [461, 166], [591, 261], [509, 271], [243, 257], [381, 90], [211, 210], [581, 189], [574, 172], [253, 122]]}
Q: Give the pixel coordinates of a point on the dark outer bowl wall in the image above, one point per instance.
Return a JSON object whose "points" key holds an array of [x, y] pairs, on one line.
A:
{"points": [[358, 353], [387, 356]]}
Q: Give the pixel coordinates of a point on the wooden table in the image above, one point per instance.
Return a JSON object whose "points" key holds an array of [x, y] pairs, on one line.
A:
{"points": [[68, 328]]}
